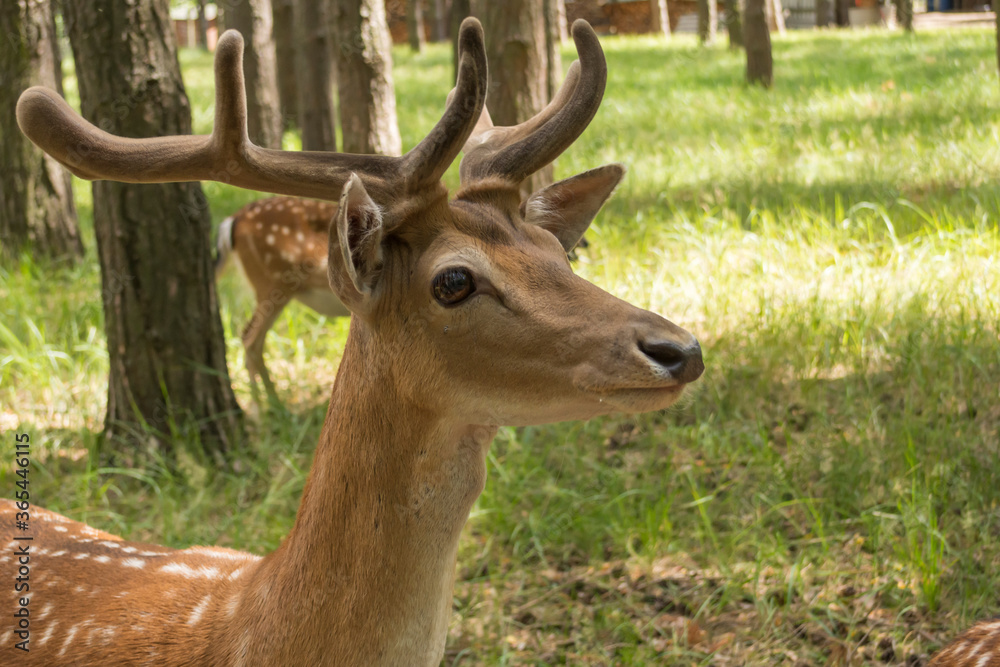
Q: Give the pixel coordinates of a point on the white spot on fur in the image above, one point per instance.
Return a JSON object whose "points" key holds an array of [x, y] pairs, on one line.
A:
{"points": [[129, 550], [199, 610], [285, 231], [61, 552], [234, 602], [110, 545], [137, 563], [299, 236], [45, 611], [6, 637], [79, 589], [235, 574], [61, 529], [81, 556], [69, 639], [51, 630], [103, 559], [269, 239], [189, 572]]}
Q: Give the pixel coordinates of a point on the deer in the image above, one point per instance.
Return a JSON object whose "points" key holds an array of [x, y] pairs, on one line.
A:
{"points": [[281, 244], [979, 646], [466, 315]]}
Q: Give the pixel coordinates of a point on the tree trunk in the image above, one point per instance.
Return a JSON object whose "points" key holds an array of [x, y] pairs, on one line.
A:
{"points": [[904, 14], [286, 43], [734, 23], [775, 16], [553, 57], [254, 20], [822, 13], [415, 25], [165, 341], [364, 78], [757, 40], [36, 198], [660, 19], [841, 16], [460, 10], [515, 50], [439, 21], [315, 77], [202, 32], [708, 19]]}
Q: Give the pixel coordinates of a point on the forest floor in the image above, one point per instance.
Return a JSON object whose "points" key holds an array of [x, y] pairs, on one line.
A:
{"points": [[827, 495]]}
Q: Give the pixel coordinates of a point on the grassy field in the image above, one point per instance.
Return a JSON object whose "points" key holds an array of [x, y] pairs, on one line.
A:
{"points": [[829, 492]]}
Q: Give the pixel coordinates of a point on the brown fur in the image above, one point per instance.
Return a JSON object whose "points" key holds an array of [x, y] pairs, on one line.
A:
{"points": [[979, 646]]}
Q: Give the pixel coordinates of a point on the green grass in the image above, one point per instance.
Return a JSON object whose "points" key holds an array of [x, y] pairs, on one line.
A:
{"points": [[828, 493]]}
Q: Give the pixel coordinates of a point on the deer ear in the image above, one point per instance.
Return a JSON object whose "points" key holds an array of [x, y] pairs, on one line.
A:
{"points": [[568, 207], [355, 253]]}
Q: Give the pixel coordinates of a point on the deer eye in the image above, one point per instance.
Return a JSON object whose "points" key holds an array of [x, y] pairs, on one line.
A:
{"points": [[453, 286]]}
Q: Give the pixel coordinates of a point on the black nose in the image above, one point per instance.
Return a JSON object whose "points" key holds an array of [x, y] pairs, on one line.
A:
{"points": [[683, 363]]}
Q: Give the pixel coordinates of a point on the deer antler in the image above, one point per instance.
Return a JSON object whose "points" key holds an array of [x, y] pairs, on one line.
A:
{"points": [[515, 152], [228, 156]]}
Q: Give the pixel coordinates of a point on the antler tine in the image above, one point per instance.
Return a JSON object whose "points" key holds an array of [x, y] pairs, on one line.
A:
{"points": [[429, 159], [516, 152], [226, 155]]}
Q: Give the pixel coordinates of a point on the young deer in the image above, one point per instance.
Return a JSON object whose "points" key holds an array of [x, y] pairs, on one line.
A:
{"points": [[978, 646], [281, 244], [466, 315]]}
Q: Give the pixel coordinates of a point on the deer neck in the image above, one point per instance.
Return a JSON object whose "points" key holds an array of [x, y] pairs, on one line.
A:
{"points": [[373, 550]]}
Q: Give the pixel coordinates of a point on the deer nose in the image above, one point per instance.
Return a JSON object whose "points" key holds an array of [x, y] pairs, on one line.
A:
{"points": [[684, 363]]}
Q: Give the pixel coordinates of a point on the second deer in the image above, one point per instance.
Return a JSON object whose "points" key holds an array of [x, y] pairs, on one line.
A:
{"points": [[281, 244]]}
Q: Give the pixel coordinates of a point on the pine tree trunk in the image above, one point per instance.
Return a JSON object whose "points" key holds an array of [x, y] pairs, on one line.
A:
{"points": [[254, 20], [315, 77], [364, 78], [460, 10], [286, 43], [36, 198], [439, 21], [553, 57], [202, 26], [757, 40], [165, 340], [841, 16], [659, 17], [515, 51], [415, 25], [822, 13], [904, 14], [734, 23], [708, 19], [775, 16]]}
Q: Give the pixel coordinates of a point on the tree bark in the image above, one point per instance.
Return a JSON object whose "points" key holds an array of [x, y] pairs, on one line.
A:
{"points": [[775, 16], [708, 19], [36, 197], [364, 78], [165, 340], [439, 21], [660, 19], [286, 43], [515, 51], [553, 57], [734, 23], [202, 33], [904, 14], [757, 40], [822, 13], [316, 80], [254, 20], [841, 16], [415, 25], [460, 10]]}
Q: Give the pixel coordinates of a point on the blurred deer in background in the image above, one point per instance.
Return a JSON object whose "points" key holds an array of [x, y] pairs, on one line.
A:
{"points": [[465, 315], [281, 244]]}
